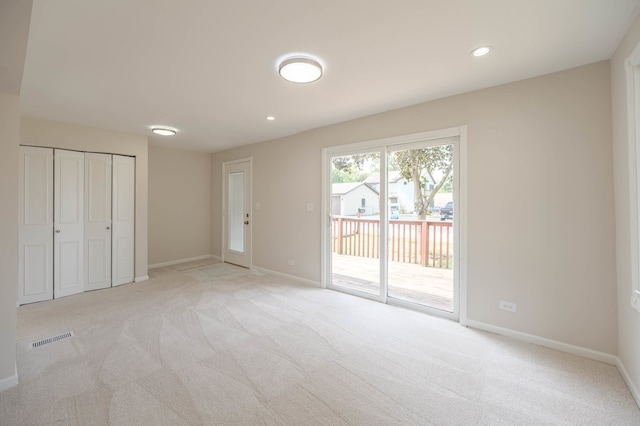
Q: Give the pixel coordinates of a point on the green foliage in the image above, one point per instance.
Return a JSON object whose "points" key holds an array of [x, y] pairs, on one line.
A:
{"points": [[351, 168], [342, 176], [420, 166], [352, 163], [424, 162], [448, 185]]}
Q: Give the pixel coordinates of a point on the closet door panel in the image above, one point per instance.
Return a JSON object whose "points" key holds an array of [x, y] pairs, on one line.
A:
{"points": [[97, 227], [123, 220], [35, 255], [68, 254]]}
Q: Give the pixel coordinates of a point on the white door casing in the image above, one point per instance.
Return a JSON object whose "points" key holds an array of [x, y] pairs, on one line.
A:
{"points": [[97, 226], [123, 217], [68, 213], [35, 257], [236, 212]]}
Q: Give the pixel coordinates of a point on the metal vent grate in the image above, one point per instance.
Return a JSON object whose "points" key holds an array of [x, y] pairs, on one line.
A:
{"points": [[52, 339]]}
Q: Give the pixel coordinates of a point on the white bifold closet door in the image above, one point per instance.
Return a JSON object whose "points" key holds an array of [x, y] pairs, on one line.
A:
{"points": [[97, 225], [68, 214], [122, 261], [35, 228], [76, 222]]}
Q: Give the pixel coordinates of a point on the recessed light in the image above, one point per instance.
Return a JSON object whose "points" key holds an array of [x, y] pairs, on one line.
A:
{"points": [[481, 51], [300, 69], [270, 117], [163, 131]]}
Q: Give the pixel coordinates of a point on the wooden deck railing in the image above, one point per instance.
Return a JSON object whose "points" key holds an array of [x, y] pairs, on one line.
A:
{"points": [[423, 242]]}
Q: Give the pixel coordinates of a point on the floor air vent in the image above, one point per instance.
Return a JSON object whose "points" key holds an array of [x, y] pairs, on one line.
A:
{"points": [[52, 339]]}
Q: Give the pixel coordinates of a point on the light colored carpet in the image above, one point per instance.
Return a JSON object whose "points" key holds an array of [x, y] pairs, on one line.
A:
{"points": [[219, 345]]}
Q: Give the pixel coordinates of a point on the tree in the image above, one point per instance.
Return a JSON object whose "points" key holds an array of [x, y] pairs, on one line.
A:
{"points": [[448, 185], [353, 164], [425, 166], [343, 176]]}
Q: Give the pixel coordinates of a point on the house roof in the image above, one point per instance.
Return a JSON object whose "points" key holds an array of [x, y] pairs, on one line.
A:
{"points": [[345, 188], [393, 176], [210, 68]]}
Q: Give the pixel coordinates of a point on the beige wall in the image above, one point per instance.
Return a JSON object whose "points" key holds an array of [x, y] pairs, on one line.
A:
{"points": [[9, 142], [628, 319], [540, 185], [180, 204], [53, 134]]}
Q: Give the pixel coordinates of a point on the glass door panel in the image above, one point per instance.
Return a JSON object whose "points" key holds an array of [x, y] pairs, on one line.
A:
{"points": [[236, 212], [420, 235], [355, 223]]}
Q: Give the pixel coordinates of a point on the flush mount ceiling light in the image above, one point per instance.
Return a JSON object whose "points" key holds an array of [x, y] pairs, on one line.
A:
{"points": [[300, 69], [480, 51], [270, 117], [163, 131]]}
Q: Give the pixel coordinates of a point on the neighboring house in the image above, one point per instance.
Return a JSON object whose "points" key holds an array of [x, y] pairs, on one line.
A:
{"points": [[347, 199], [400, 190]]}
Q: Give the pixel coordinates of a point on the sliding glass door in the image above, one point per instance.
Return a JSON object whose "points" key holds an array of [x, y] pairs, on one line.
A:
{"points": [[393, 210], [421, 243], [355, 223]]}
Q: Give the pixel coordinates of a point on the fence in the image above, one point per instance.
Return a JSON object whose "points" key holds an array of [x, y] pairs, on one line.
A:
{"points": [[423, 242]]}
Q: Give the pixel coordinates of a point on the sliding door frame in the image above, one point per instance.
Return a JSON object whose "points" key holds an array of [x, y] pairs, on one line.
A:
{"points": [[347, 150], [384, 146]]}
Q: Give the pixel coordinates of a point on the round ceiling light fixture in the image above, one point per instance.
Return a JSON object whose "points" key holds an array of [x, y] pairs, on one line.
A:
{"points": [[481, 51], [163, 131], [300, 69], [270, 117]]}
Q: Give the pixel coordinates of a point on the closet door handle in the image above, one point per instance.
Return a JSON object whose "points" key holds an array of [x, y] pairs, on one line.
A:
{"points": [[57, 231], [108, 227]]}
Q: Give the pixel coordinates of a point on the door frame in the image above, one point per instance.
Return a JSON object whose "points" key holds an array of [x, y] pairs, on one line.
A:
{"points": [[459, 220], [248, 208]]}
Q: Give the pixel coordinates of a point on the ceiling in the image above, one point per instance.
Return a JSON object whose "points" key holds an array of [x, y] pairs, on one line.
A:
{"points": [[209, 67]]}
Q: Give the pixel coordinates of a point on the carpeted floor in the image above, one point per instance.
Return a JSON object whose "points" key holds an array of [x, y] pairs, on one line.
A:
{"points": [[220, 345]]}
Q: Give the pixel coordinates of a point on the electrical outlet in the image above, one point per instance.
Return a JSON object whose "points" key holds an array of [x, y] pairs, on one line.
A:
{"points": [[309, 207], [508, 306], [290, 262]]}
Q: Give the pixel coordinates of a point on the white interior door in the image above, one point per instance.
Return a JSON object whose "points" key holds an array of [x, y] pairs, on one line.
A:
{"points": [[123, 186], [237, 205], [97, 226], [68, 213], [35, 258]]}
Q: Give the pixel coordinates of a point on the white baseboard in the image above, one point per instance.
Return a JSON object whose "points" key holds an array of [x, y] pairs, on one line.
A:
{"points": [[627, 379], [543, 341], [139, 279], [9, 382], [175, 262], [283, 275], [213, 256]]}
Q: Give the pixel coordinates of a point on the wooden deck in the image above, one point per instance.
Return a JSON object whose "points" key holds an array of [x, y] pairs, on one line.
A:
{"points": [[424, 285]]}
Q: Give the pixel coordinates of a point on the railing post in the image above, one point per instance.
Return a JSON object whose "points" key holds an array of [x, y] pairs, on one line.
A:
{"points": [[447, 248], [424, 243], [339, 235]]}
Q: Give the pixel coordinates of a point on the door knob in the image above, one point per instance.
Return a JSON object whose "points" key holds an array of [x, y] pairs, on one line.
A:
{"points": [[108, 227], [57, 231], [246, 222]]}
